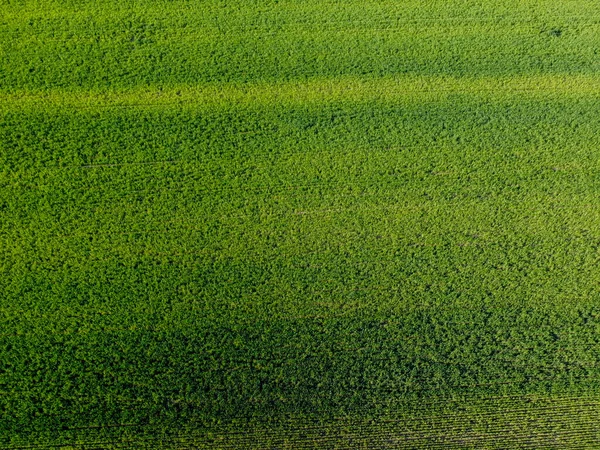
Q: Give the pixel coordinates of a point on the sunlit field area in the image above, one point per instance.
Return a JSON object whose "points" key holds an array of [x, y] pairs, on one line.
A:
{"points": [[289, 224]]}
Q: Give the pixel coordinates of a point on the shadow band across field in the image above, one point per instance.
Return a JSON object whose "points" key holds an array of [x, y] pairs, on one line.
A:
{"points": [[359, 368]]}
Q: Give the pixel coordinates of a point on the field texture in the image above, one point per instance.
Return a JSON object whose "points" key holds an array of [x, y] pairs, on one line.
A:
{"points": [[287, 224]]}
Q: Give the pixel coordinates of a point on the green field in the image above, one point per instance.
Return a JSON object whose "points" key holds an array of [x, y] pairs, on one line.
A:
{"points": [[286, 224]]}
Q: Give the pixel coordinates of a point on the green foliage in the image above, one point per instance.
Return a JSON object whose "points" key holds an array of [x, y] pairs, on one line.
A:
{"points": [[298, 221]]}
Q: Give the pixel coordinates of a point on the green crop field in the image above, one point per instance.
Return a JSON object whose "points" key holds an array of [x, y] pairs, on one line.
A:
{"points": [[288, 224]]}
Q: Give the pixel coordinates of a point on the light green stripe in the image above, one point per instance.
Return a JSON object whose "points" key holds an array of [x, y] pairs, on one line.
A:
{"points": [[314, 91]]}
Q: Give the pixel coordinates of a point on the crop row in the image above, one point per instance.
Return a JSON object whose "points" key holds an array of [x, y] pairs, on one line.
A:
{"points": [[566, 422], [288, 367]]}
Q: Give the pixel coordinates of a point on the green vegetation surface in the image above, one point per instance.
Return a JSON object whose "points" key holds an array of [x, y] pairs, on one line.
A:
{"points": [[299, 224]]}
